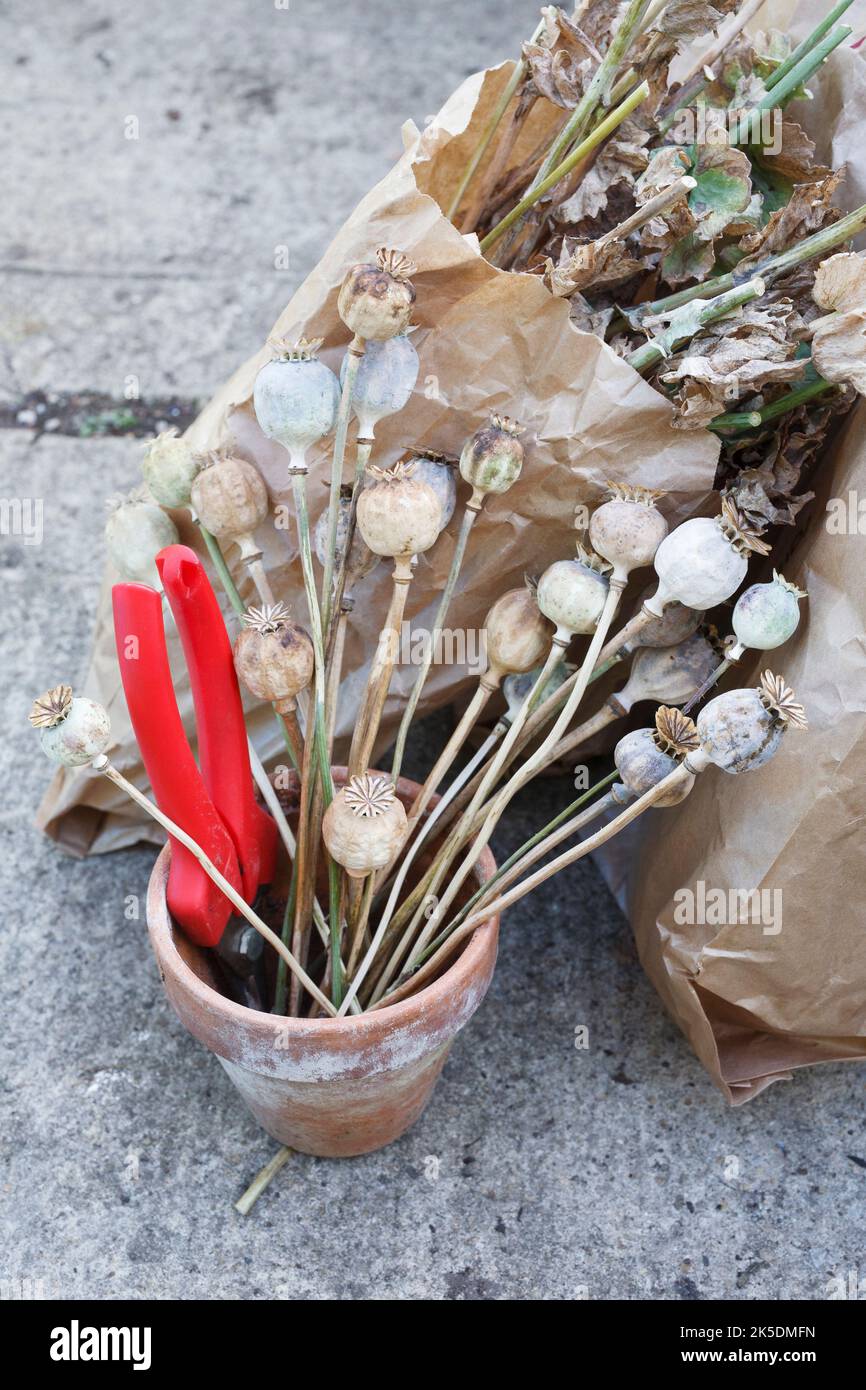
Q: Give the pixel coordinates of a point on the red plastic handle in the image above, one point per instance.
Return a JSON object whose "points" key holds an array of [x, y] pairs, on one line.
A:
{"points": [[222, 734], [200, 908]]}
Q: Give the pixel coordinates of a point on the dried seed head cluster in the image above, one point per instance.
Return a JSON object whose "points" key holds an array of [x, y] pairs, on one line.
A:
{"points": [[375, 301]]}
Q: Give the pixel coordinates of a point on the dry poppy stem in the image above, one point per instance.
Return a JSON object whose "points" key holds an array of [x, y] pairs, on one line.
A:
{"points": [[364, 449], [101, 764], [518, 779], [473, 507], [245, 1203], [356, 351], [492, 175], [511, 86], [681, 188], [454, 937], [381, 670], [601, 132]]}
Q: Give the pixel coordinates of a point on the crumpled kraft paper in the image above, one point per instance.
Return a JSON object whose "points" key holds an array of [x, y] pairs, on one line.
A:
{"points": [[487, 340]]}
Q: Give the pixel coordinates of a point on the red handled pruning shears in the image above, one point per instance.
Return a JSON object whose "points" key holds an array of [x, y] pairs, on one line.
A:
{"points": [[216, 805]]}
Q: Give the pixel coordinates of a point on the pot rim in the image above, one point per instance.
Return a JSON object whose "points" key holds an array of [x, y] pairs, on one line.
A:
{"points": [[457, 980]]}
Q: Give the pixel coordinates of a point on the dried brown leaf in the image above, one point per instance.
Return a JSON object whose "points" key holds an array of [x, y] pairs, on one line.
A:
{"points": [[563, 61], [810, 208], [840, 282], [839, 349]]}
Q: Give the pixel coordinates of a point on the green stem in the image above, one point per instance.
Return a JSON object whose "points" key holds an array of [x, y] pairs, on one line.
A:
{"points": [[281, 987], [808, 44], [222, 569], [787, 85], [751, 419], [652, 353], [592, 141], [769, 269], [355, 353], [469, 516], [604, 75]]}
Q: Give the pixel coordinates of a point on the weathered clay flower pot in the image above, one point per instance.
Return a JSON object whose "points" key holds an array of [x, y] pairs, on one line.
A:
{"points": [[326, 1086]]}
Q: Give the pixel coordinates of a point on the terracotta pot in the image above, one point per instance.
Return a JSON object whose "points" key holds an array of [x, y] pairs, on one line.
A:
{"points": [[331, 1087]]}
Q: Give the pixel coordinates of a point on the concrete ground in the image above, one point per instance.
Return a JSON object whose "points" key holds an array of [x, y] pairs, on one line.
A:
{"points": [[539, 1171]]}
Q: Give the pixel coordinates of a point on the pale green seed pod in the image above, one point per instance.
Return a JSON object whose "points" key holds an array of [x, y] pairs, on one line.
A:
{"points": [[169, 468], [765, 616], [73, 730], [135, 532], [572, 593], [296, 398], [493, 456]]}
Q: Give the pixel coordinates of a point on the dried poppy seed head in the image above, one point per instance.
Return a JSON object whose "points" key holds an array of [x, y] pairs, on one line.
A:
{"points": [[517, 634], [364, 825], [492, 457], [229, 496], [675, 732], [384, 381], [369, 795], [437, 470], [375, 301], [399, 515], [572, 593], [642, 764], [765, 616], [628, 529], [701, 563], [742, 535], [73, 730], [51, 708], [269, 618], [288, 350], [779, 699], [135, 532], [169, 468]]}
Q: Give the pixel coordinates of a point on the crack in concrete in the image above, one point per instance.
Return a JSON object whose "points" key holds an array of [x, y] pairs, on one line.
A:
{"points": [[95, 414]]}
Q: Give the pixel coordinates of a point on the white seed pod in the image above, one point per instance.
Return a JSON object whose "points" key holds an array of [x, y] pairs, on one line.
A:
{"points": [[704, 560], [361, 561], [492, 457], [375, 301], [742, 729], [645, 757], [436, 470], [296, 397], [676, 623], [274, 656], [668, 675], [73, 730], [516, 687], [384, 382], [229, 497], [628, 530], [135, 532], [364, 825], [572, 593], [765, 616], [397, 515], [516, 633], [169, 468]]}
